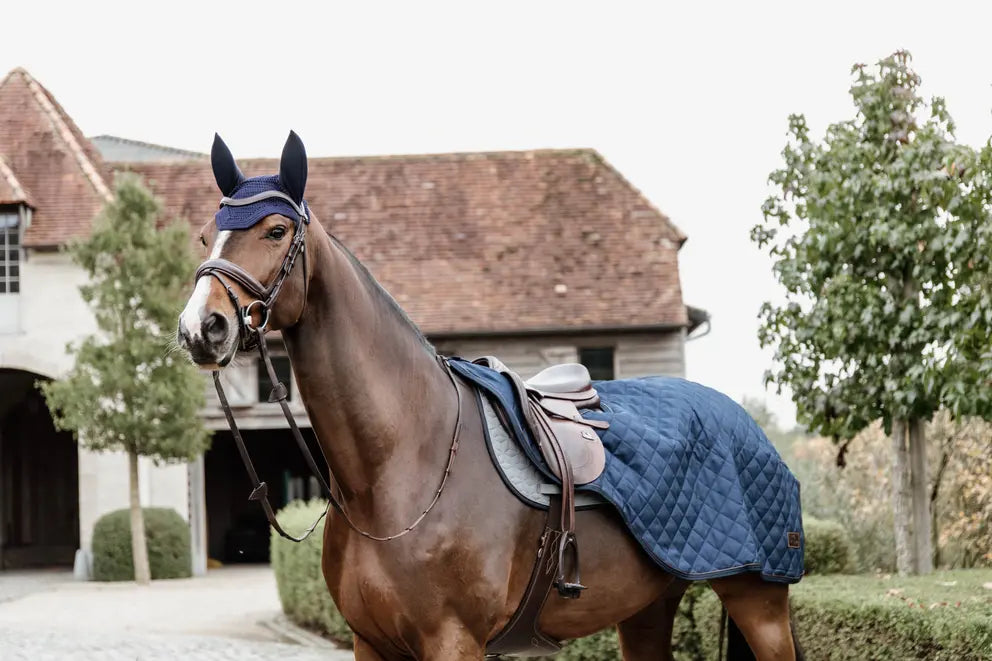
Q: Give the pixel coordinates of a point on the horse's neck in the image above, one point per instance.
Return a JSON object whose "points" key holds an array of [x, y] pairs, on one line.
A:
{"points": [[381, 405]]}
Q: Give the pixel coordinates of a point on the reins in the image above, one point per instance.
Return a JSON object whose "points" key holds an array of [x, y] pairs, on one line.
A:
{"points": [[251, 336]]}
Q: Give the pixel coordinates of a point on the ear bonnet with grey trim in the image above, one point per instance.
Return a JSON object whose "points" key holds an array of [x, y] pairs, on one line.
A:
{"points": [[247, 201]]}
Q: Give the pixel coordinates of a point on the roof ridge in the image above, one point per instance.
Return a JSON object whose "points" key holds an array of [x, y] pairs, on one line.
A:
{"points": [[84, 162], [449, 156], [143, 143], [20, 193]]}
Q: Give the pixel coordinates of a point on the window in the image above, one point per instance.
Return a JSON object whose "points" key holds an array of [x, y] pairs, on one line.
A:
{"points": [[599, 361], [10, 254], [283, 372]]}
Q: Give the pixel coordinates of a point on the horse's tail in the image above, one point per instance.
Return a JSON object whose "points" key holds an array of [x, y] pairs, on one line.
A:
{"points": [[739, 650]]}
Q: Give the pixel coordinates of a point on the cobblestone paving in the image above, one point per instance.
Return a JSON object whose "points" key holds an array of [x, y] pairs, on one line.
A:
{"points": [[51, 645], [46, 616]]}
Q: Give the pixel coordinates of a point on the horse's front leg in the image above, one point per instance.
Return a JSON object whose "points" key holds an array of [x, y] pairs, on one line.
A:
{"points": [[365, 652], [453, 642]]}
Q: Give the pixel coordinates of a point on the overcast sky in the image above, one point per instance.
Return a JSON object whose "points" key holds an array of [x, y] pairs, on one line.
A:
{"points": [[688, 100]]}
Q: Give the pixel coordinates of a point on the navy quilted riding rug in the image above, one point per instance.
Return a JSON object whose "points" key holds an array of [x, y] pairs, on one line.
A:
{"points": [[693, 476]]}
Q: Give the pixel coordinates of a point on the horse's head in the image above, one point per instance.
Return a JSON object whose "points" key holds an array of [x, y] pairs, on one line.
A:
{"points": [[249, 284]]}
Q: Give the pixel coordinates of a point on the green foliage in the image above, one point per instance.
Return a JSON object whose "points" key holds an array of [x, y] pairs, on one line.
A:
{"points": [[168, 545], [299, 578], [828, 547], [944, 616], [126, 392], [882, 239]]}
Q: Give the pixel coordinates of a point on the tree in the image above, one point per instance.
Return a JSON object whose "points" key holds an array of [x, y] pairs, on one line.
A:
{"points": [[881, 236], [126, 391]]}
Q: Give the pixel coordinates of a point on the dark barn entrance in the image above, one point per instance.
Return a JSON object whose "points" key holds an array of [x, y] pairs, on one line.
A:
{"points": [[39, 479], [237, 530]]}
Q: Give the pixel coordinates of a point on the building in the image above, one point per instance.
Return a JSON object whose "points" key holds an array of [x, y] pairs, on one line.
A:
{"points": [[537, 257]]}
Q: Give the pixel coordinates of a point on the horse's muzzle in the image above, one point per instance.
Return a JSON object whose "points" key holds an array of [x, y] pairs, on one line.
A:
{"points": [[212, 344]]}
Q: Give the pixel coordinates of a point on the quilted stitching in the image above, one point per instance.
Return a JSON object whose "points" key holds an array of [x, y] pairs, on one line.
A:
{"points": [[693, 476], [697, 481]]}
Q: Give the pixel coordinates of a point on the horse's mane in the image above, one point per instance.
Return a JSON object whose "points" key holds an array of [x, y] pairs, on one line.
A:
{"points": [[382, 295]]}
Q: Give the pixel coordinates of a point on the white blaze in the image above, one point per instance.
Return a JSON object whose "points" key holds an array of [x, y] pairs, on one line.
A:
{"points": [[193, 313]]}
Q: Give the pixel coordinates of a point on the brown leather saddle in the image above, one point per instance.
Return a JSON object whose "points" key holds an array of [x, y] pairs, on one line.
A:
{"points": [[574, 453]]}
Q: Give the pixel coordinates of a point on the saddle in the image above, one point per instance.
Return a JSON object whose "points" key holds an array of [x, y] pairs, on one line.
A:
{"points": [[575, 455]]}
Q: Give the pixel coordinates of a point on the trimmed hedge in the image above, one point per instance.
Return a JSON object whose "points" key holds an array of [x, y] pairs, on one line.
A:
{"points": [[942, 617], [167, 535], [299, 578], [828, 547], [945, 616]]}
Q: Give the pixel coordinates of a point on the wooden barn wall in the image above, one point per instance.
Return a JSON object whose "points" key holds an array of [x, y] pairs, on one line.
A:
{"points": [[650, 354]]}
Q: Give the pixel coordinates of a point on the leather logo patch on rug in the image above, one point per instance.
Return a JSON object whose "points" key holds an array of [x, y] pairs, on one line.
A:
{"points": [[793, 540]]}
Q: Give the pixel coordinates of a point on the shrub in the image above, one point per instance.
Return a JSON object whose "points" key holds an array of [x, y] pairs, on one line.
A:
{"points": [[828, 547], [168, 545], [300, 581], [941, 617]]}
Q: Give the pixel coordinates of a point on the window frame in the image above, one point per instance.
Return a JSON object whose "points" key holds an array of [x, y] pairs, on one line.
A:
{"points": [[10, 244]]}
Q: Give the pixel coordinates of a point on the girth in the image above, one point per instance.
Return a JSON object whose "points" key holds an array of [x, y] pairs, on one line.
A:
{"points": [[551, 416]]}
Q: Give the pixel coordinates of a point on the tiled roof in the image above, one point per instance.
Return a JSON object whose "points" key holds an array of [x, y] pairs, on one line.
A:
{"points": [[497, 242], [11, 189], [47, 154]]}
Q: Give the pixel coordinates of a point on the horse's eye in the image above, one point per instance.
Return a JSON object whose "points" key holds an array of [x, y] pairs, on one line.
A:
{"points": [[276, 232]]}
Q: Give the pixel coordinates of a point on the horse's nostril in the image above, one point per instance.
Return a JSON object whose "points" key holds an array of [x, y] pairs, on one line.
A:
{"points": [[215, 327]]}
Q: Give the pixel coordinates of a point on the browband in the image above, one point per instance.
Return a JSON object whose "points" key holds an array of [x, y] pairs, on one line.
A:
{"points": [[265, 195]]}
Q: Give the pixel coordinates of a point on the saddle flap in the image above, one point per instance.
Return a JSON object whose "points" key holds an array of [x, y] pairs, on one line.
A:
{"points": [[578, 440]]}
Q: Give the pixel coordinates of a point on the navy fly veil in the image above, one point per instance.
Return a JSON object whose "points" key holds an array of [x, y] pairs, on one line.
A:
{"points": [[256, 198], [694, 477]]}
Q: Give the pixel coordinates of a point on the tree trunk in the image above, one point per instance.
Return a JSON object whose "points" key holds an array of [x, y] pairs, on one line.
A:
{"points": [[901, 498], [139, 547], [945, 457], [923, 550]]}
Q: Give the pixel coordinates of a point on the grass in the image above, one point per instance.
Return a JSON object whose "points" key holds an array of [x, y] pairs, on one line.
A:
{"points": [[967, 591]]}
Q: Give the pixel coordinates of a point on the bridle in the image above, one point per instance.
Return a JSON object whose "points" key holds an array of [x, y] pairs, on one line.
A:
{"points": [[251, 336], [264, 297]]}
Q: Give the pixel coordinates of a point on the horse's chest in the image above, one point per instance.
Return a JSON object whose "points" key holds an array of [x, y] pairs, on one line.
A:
{"points": [[388, 588], [375, 587]]}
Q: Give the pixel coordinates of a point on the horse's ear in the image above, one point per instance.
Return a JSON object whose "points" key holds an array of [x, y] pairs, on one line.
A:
{"points": [[226, 171], [293, 167]]}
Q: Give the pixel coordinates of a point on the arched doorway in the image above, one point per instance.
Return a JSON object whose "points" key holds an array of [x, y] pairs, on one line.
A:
{"points": [[39, 479]]}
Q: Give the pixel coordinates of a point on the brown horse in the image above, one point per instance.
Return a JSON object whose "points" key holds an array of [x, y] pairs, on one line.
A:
{"points": [[384, 409]]}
